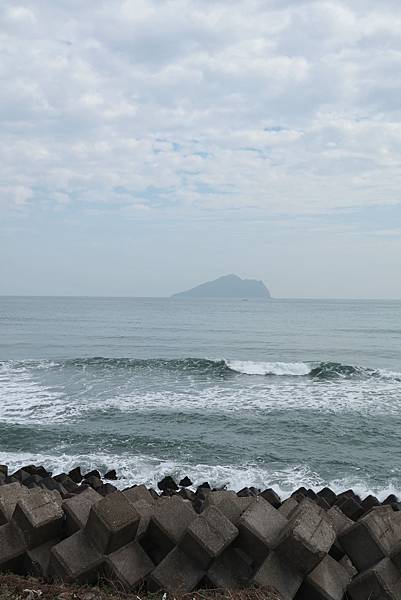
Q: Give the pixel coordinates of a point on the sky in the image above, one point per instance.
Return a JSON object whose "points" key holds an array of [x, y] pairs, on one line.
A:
{"points": [[149, 145]]}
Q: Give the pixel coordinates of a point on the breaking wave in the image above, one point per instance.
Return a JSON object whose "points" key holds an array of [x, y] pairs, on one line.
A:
{"points": [[203, 366]]}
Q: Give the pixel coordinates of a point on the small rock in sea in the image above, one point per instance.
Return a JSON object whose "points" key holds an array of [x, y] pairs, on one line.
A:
{"points": [[167, 483], [111, 475], [185, 482]]}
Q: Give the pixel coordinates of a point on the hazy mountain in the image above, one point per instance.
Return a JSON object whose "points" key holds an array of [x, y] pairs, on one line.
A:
{"points": [[228, 286]]}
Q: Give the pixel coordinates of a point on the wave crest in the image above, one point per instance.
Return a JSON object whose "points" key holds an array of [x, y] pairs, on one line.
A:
{"points": [[325, 370], [248, 367]]}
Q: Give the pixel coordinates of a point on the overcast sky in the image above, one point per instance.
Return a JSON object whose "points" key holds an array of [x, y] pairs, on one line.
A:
{"points": [[149, 145]]}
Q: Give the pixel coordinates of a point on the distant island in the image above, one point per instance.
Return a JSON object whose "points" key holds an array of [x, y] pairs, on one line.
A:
{"points": [[228, 286]]}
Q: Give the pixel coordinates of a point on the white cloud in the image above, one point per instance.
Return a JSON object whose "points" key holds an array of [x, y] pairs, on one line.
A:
{"points": [[281, 105]]}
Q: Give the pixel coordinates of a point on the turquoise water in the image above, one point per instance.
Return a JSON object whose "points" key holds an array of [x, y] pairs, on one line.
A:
{"points": [[278, 393]]}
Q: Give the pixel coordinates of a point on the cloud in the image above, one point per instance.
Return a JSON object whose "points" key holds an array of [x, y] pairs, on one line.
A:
{"points": [[189, 105]]}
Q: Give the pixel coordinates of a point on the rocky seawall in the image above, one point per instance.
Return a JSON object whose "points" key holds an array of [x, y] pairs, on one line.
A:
{"points": [[312, 546]]}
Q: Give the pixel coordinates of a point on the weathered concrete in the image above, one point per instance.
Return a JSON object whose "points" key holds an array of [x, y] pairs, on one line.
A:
{"points": [[10, 494], [40, 558], [208, 536], [75, 559], [288, 507], [340, 523], [280, 575], [381, 582], [328, 495], [130, 565], [141, 537], [139, 492], [372, 538], [227, 502], [259, 529], [171, 518], [75, 475], [112, 523], [13, 555], [39, 518], [176, 573], [328, 581], [145, 511], [77, 509], [271, 496], [229, 571], [307, 538]]}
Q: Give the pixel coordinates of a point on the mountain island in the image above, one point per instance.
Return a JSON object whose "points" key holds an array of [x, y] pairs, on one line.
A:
{"points": [[228, 286]]}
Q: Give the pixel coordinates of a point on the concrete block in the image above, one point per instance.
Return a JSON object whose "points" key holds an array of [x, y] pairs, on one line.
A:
{"points": [[381, 582], [395, 556], [145, 511], [245, 492], [348, 566], [229, 571], [244, 502], [328, 495], [338, 519], [77, 509], [322, 503], [288, 507], [369, 502], [94, 482], [279, 575], [111, 475], [175, 574], [340, 522], [271, 497], [167, 484], [185, 482], [10, 494], [187, 494], [75, 559], [328, 581], [33, 481], [228, 503], [373, 537], [259, 529], [307, 538], [130, 566], [351, 508], [106, 489], [13, 555], [93, 473], [139, 492], [75, 475], [208, 536], [48, 483], [112, 523], [21, 475], [40, 558], [171, 518], [39, 518]]}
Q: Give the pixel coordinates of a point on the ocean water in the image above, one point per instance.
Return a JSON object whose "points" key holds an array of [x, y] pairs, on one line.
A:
{"points": [[275, 393]]}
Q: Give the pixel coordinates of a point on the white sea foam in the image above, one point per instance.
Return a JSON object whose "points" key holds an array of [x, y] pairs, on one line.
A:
{"points": [[25, 400], [248, 367], [134, 469]]}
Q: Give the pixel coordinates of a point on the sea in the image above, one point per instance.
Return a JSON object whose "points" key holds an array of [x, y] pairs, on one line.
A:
{"points": [[277, 393]]}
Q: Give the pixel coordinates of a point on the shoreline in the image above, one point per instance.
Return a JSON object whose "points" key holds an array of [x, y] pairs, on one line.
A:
{"points": [[79, 528]]}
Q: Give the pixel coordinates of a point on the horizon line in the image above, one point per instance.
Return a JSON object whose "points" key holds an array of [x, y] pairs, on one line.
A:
{"points": [[172, 297]]}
